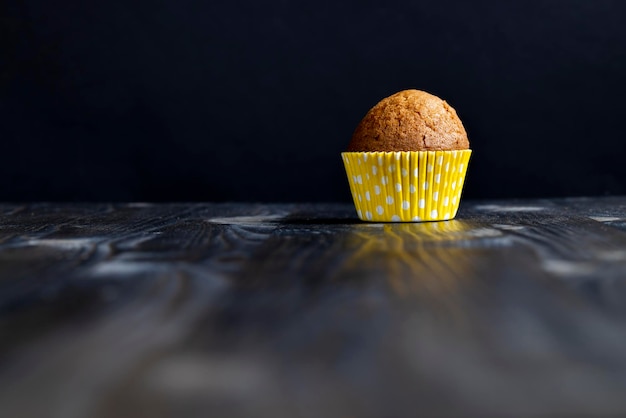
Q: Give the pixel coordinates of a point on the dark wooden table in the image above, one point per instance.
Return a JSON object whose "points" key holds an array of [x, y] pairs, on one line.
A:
{"points": [[515, 308]]}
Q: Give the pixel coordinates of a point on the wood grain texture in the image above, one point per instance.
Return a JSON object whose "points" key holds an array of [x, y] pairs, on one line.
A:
{"points": [[232, 310]]}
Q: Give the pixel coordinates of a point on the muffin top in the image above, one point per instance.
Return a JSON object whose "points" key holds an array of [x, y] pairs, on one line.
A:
{"points": [[410, 120]]}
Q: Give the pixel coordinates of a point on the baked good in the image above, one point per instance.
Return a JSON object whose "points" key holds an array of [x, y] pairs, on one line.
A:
{"points": [[410, 120], [407, 159]]}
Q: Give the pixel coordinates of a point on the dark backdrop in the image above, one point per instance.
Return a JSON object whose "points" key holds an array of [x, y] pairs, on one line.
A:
{"points": [[254, 101]]}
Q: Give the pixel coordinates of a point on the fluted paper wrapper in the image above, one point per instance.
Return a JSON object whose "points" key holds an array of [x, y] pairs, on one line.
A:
{"points": [[409, 186]]}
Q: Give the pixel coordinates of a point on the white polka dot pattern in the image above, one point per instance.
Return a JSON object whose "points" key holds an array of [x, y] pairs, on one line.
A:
{"points": [[383, 191]]}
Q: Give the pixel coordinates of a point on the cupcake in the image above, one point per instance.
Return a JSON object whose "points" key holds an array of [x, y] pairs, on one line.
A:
{"points": [[407, 160]]}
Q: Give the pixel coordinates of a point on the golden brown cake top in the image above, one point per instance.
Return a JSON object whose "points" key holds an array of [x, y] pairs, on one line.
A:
{"points": [[410, 120]]}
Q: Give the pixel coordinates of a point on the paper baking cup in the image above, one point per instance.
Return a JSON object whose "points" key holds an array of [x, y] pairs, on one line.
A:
{"points": [[408, 186]]}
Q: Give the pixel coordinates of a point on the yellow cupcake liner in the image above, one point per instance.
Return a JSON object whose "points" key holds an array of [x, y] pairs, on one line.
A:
{"points": [[407, 186]]}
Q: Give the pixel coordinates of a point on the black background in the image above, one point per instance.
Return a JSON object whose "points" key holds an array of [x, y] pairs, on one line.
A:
{"points": [[254, 101]]}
